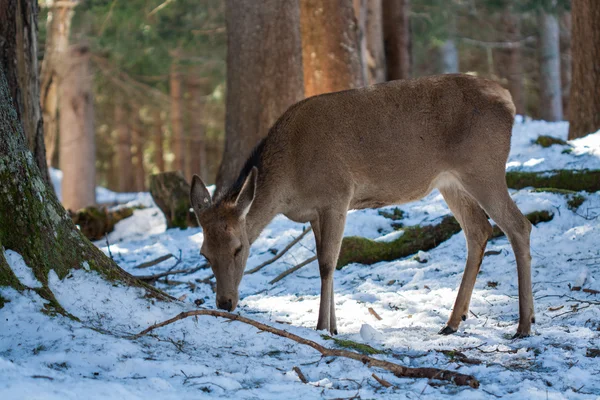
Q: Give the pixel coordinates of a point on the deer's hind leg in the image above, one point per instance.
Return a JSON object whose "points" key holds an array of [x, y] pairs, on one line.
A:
{"points": [[477, 231]]}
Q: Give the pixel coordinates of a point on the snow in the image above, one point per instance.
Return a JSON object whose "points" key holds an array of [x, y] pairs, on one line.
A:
{"points": [[54, 357]]}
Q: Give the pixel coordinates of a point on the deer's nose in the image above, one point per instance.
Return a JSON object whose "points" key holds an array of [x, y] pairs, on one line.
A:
{"points": [[226, 305]]}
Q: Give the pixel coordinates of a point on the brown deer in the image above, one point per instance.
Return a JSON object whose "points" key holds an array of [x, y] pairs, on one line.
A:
{"points": [[386, 144]]}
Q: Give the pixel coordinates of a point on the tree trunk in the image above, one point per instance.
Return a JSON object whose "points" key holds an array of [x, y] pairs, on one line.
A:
{"points": [[138, 145], [550, 86], [18, 57], [77, 141], [177, 119], [396, 31], [37, 226], [197, 148], [159, 158], [57, 42], [264, 75], [375, 50], [330, 52], [565, 61], [125, 170], [512, 58], [584, 102], [360, 14], [171, 193], [449, 56]]}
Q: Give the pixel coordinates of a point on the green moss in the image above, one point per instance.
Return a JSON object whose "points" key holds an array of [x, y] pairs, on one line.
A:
{"points": [[575, 201], [395, 215], [554, 190], [574, 180], [349, 344], [547, 141], [3, 301]]}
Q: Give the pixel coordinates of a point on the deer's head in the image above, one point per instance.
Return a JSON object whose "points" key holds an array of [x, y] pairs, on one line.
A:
{"points": [[226, 246]]}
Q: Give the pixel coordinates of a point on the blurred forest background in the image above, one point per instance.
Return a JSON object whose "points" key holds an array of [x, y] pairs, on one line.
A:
{"points": [[131, 88]]}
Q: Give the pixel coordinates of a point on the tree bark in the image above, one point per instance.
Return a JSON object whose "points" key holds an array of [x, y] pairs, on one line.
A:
{"points": [[124, 155], [177, 119], [197, 147], [330, 52], [57, 42], [264, 75], [18, 57], [512, 58], [565, 61], [138, 146], [449, 56], [35, 225], [584, 103], [550, 86], [360, 14], [396, 31], [77, 141], [171, 193], [375, 49], [159, 158]]}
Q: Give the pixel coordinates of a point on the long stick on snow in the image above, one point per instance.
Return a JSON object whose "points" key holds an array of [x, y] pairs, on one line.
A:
{"points": [[281, 253], [398, 370]]}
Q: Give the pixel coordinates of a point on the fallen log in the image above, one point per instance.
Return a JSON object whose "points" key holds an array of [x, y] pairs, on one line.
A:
{"points": [[171, 193], [366, 251], [566, 179], [96, 222]]}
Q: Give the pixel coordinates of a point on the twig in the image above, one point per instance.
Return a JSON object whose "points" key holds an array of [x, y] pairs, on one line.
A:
{"points": [[398, 370], [300, 374], [374, 313], [160, 7], [154, 262], [381, 381], [292, 270], [152, 278], [108, 247], [281, 253], [585, 290]]}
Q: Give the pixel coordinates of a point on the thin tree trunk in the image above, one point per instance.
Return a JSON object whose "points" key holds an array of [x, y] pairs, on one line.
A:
{"points": [[509, 60], [396, 30], [264, 75], [330, 52], [375, 50], [138, 145], [197, 154], [551, 95], [18, 57], [124, 155], [360, 14], [77, 141], [449, 56], [37, 226], [159, 158], [565, 61], [584, 103], [58, 27], [177, 119]]}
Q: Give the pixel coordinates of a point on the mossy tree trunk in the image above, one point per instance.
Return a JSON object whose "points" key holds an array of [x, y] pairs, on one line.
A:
{"points": [[34, 224]]}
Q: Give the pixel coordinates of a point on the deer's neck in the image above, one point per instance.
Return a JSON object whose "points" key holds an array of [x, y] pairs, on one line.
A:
{"points": [[264, 208]]}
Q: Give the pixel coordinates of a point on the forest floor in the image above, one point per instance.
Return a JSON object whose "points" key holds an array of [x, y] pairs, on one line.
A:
{"points": [[45, 357]]}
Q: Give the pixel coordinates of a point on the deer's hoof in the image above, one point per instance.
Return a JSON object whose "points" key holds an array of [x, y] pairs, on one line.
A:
{"points": [[520, 335], [446, 331]]}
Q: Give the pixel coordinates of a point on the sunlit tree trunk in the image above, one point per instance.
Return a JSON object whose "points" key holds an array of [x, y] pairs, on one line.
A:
{"points": [[37, 226], [584, 104], [58, 27], [550, 86], [511, 24], [76, 124], [18, 58], [396, 30], [360, 13], [264, 75], [159, 158], [375, 50], [178, 136], [330, 52], [124, 156]]}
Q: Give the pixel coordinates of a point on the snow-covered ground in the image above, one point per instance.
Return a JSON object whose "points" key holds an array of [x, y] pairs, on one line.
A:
{"points": [[45, 357]]}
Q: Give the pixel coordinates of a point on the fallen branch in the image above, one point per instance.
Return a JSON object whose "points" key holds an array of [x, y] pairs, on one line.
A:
{"points": [[154, 262], [300, 374], [398, 370], [584, 290], [152, 278], [292, 270], [281, 253], [382, 382]]}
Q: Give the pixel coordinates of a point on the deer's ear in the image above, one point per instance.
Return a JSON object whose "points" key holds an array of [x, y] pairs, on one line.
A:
{"points": [[244, 200], [199, 195]]}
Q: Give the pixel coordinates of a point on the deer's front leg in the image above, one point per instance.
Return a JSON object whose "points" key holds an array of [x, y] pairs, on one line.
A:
{"points": [[328, 236]]}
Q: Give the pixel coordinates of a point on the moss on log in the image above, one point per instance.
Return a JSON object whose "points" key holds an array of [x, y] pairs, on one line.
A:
{"points": [[34, 224], [366, 251], [171, 193], [547, 141], [575, 180], [96, 222]]}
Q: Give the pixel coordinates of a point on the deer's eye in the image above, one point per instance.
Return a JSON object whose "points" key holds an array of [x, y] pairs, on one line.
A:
{"points": [[237, 251]]}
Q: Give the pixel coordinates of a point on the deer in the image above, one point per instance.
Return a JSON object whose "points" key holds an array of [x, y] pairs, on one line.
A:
{"points": [[379, 145]]}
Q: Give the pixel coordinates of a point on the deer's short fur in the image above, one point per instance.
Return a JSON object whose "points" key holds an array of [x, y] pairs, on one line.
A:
{"points": [[380, 145]]}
